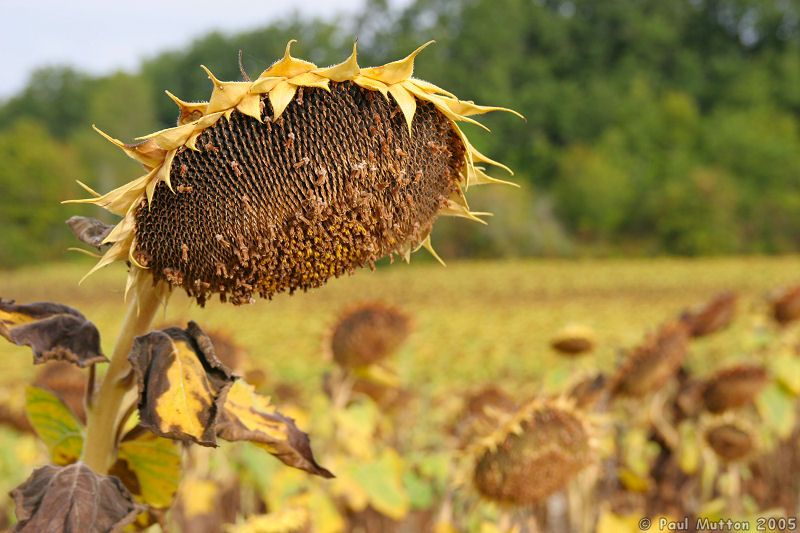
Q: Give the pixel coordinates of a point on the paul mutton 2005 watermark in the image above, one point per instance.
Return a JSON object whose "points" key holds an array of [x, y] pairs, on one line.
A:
{"points": [[724, 524]]}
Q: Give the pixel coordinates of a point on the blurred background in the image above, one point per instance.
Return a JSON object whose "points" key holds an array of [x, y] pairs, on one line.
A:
{"points": [[653, 242], [652, 127]]}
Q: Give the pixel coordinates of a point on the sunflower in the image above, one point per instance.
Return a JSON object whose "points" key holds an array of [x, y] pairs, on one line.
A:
{"points": [[534, 454], [301, 175]]}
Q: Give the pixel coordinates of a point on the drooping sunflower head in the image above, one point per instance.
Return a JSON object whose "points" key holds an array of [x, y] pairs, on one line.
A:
{"points": [[730, 441], [367, 333], [734, 387], [574, 339], [535, 454], [654, 362], [301, 175]]}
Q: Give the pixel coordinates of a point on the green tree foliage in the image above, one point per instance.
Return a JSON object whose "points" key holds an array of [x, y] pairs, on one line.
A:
{"points": [[36, 173], [652, 126]]}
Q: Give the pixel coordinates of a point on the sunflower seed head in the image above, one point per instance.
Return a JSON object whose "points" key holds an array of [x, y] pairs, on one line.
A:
{"points": [[367, 333], [733, 387], [536, 455], [730, 442], [334, 184], [654, 362]]}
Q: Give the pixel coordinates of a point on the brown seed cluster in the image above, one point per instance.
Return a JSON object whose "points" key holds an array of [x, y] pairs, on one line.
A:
{"points": [[551, 449], [367, 334], [334, 184], [729, 441]]}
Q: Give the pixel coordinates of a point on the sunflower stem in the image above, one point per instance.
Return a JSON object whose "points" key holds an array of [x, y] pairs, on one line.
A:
{"points": [[117, 391]]}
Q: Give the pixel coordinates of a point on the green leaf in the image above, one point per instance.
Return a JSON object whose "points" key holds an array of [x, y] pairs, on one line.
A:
{"points": [[776, 407], [689, 448], [156, 464], [420, 492], [786, 368], [55, 424], [383, 483]]}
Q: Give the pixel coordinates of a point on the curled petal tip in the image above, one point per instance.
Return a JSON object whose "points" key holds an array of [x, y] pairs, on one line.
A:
{"points": [[396, 71], [346, 70], [210, 75]]}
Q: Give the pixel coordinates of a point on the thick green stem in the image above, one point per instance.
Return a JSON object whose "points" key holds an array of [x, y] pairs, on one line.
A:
{"points": [[117, 392]]}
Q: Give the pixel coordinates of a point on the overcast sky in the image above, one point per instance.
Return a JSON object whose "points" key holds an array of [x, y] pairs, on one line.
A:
{"points": [[89, 33]]}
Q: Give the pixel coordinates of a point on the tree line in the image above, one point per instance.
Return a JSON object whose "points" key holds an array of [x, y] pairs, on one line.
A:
{"points": [[652, 127]]}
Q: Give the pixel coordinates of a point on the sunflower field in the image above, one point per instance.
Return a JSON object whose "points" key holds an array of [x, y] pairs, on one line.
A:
{"points": [[413, 383]]}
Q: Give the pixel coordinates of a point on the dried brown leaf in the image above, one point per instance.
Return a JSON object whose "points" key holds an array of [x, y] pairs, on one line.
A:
{"points": [[72, 499], [89, 230], [54, 332], [246, 415]]}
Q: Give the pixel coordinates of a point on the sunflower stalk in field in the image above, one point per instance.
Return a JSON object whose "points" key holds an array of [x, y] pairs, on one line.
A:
{"points": [[273, 185]]}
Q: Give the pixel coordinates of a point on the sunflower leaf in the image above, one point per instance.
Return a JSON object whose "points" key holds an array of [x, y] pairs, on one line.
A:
{"points": [[72, 498], [89, 230], [246, 415], [53, 331], [150, 467], [179, 378], [55, 424]]}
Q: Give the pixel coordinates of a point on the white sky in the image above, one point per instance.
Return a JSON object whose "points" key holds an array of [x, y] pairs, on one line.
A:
{"points": [[88, 33]]}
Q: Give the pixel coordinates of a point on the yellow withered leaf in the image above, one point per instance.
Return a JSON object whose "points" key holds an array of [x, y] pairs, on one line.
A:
{"points": [[54, 332], [171, 138], [179, 378], [429, 87], [246, 415], [150, 466], [286, 520], [369, 83], [55, 424], [466, 108]]}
